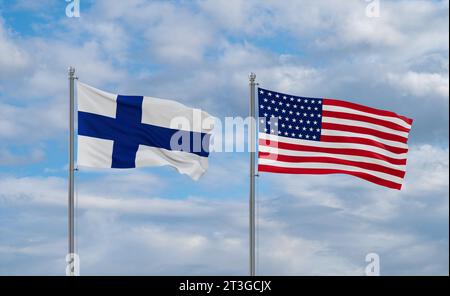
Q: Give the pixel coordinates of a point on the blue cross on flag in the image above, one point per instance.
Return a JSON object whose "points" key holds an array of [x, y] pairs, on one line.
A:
{"points": [[116, 131]]}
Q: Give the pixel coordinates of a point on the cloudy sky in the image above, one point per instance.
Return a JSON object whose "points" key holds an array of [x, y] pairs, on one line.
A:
{"points": [[156, 222]]}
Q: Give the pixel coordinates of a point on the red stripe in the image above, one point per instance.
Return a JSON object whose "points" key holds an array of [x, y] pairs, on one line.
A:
{"points": [[365, 176], [343, 115], [363, 130], [364, 141], [359, 164], [359, 107], [346, 151]]}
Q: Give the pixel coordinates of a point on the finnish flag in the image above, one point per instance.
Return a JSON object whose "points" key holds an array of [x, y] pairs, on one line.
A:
{"points": [[116, 131]]}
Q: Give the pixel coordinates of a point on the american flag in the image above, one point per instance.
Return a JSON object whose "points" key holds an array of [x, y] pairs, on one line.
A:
{"points": [[299, 135]]}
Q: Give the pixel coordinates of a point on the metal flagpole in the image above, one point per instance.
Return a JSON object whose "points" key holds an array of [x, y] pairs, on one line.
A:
{"points": [[71, 173], [252, 84]]}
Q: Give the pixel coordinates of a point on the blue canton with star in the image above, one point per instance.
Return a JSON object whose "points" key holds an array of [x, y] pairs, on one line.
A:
{"points": [[289, 116]]}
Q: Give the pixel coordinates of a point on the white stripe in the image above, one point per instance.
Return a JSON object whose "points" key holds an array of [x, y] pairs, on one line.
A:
{"points": [[318, 165], [171, 114], [94, 152], [96, 101], [277, 151], [327, 132], [370, 148], [364, 124], [187, 163], [354, 111]]}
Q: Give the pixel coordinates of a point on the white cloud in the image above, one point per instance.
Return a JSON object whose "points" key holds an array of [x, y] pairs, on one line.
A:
{"points": [[179, 37], [49, 78], [39, 97], [283, 254], [237, 16], [8, 158], [421, 84], [429, 170], [173, 33], [20, 123], [345, 24], [13, 59]]}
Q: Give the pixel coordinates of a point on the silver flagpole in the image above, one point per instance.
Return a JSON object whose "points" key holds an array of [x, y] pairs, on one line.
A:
{"points": [[252, 84], [71, 173]]}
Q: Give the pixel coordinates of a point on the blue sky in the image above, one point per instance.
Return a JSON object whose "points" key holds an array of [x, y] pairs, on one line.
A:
{"points": [[154, 221]]}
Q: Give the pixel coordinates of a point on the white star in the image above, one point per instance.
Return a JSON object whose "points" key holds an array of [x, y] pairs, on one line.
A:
{"points": [[265, 99], [318, 130], [314, 137], [276, 109], [277, 95], [283, 125], [284, 111], [318, 115], [300, 135], [309, 108], [293, 134], [269, 108], [270, 94], [262, 120], [297, 127], [304, 128], [313, 101], [290, 126], [319, 102], [287, 105], [308, 121], [292, 99], [284, 98], [272, 116], [295, 106], [302, 107], [280, 103], [298, 100], [279, 132], [265, 114], [294, 120], [285, 133], [261, 92], [266, 130], [290, 112], [315, 122], [273, 101], [297, 113], [306, 101], [315, 108], [311, 129], [312, 115], [287, 118], [307, 136], [304, 114], [262, 106], [301, 120]]}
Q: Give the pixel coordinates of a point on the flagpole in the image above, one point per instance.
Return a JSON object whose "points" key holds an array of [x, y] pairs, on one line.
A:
{"points": [[71, 208], [252, 146]]}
